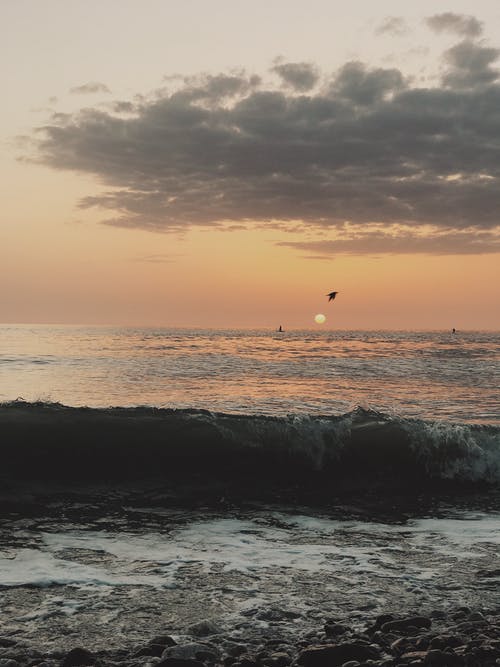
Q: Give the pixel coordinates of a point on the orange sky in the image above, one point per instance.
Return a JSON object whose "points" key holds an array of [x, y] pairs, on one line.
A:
{"points": [[59, 263], [90, 273]]}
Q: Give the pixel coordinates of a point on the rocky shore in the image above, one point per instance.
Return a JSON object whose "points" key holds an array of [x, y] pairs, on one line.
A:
{"points": [[462, 637]]}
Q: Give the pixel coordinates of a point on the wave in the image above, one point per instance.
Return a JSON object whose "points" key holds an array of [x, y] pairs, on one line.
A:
{"points": [[51, 441]]}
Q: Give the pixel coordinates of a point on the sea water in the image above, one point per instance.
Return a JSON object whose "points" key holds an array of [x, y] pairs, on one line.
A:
{"points": [[103, 565], [431, 375]]}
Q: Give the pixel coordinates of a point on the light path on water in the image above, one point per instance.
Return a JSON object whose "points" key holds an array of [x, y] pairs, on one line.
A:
{"points": [[431, 375]]}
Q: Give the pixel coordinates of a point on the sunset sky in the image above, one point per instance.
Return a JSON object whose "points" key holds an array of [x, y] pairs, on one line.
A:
{"points": [[226, 163]]}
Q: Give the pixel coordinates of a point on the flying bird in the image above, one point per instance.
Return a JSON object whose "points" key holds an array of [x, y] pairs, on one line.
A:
{"points": [[332, 296]]}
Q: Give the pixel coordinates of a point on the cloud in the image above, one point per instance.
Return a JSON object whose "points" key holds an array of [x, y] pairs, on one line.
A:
{"points": [[393, 25], [299, 76], [359, 85], [470, 65], [364, 145], [458, 24], [90, 88], [381, 242]]}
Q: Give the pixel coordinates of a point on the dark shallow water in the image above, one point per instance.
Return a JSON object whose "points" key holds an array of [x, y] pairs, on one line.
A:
{"points": [[108, 567]]}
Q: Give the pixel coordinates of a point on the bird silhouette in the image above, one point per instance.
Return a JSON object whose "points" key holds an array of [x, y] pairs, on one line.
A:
{"points": [[331, 296]]}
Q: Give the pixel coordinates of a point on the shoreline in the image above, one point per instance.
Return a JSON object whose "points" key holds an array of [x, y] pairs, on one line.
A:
{"points": [[460, 637]]}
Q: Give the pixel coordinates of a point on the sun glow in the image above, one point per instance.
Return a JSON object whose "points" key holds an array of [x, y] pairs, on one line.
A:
{"points": [[320, 318]]}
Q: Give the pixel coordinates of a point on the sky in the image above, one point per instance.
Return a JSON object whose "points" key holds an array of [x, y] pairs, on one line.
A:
{"points": [[227, 164]]}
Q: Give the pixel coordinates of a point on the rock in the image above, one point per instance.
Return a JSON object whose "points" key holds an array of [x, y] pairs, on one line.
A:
{"points": [[405, 624], [277, 614], [401, 645], [476, 616], [236, 649], [8, 662], [154, 650], [461, 612], [163, 640], [179, 662], [414, 655], [192, 651], [335, 655], [280, 659], [438, 614], [246, 661], [7, 642], [382, 619], [436, 657], [422, 644], [78, 657], [203, 629], [335, 629], [468, 627]]}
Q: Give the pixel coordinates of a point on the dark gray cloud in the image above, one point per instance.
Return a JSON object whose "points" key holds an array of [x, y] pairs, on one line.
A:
{"points": [[393, 25], [470, 65], [458, 24], [366, 146], [449, 242], [360, 85], [90, 88], [300, 76]]}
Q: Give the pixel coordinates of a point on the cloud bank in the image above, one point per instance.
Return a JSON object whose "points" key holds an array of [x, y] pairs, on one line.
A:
{"points": [[362, 145]]}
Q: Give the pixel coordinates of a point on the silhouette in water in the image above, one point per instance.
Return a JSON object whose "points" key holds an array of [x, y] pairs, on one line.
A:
{"points": [[280, 329], [331, 296], [453, 330]]}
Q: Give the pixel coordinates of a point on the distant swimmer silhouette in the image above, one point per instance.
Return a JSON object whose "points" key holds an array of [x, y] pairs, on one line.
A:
{"points": [[332, 296], [280, 329], [453, 330]]}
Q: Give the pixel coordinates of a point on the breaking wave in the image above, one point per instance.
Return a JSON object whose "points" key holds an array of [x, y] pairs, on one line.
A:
{"points": [[52, 441]]}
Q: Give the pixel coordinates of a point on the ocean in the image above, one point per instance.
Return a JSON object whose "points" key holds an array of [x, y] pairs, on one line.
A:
{"points": [[428, 375], [263, 484]]}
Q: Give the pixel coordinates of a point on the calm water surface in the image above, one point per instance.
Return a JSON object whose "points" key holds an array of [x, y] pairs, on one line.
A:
{"points": [[433, 375]]}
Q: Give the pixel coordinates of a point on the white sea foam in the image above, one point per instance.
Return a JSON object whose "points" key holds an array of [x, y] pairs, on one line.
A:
{"points": [[42, 568], [279, 542]]}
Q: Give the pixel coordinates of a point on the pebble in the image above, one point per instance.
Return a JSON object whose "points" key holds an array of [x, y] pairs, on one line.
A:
{"points": [[78, 657], [459, 638]]}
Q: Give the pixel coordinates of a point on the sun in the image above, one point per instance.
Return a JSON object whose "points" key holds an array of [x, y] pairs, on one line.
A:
{"points": [[320, 318]]}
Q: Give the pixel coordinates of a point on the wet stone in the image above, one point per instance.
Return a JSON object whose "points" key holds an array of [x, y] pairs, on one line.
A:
{"points": [[163, 640], [335, 629], [203, 629], [280, 659], [236, 649], [335, 655], [246, 661], [78, 657], [153, 650], [192, 651], [407, 624], [179, 662]]}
